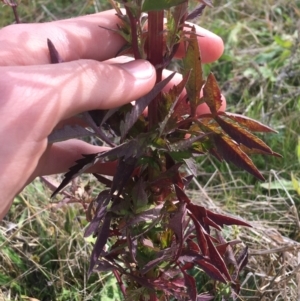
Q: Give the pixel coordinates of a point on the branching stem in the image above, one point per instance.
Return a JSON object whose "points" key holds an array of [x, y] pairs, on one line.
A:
{"points": [[134, 33], [155, 56], [13, 6]]}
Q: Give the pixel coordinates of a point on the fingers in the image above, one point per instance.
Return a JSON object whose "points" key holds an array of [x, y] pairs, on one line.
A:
{"points": [[55, 92], [80, 38]]}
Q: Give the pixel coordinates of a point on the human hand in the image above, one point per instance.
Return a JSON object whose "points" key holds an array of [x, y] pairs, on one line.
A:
{"points": [[36, 96]]}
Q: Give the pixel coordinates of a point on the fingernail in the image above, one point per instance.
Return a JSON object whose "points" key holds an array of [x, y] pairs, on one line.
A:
{"points": [[140, 69]]}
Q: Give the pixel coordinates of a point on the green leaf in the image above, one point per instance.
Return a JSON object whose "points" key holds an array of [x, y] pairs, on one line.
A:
{"points": [[282, 184], [192, 64], [179, 156], [139, 196], [298, 149], [296, 184], [149, 5], [110, 290], [283, 42]]}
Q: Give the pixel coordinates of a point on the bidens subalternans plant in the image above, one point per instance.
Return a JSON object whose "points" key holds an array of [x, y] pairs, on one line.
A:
{"points": [[153, 233], [148, 232]]}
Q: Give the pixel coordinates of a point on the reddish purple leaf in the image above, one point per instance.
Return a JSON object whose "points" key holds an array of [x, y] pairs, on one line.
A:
{"points": [[216, 259], [132, 245], [240, 262], [103, 179], [205, 297], [131, 149], [100, 242], [253, 151], [222, 220], [81, 166], [192, 245], [196, 12], [231, 152], [141, 105], [207, 2], [189, 256], [55, 58], [148, 215], [242, 258], [209, 222], [164, 256], [226, 251], [143, 281], [69, 132], [175, 288], [211, 270], [103, 200], [182, 197], [231, 262], [249, 123], [179, 282], [168, 176], [11, 3], [199, 212], [241, 135], [200, 235], [91, 121], [124, 171], [187, 143], [188, 266], [190, 285], [204, 263], [116, 249], [212, 94], [103, 266], [173, 273], [174, 112], [222, 248], [187, 180], [214, 152], [176, 224]]}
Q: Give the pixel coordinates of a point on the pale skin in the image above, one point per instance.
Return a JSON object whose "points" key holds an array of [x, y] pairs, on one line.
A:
{"points": [[37, 96]]}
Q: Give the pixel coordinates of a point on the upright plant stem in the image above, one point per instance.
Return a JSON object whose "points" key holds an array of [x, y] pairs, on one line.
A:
{"points": [[134, 32], [155, 56], [121, 284]]}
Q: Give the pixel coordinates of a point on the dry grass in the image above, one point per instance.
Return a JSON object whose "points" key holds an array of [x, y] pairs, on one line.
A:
{"points": [[260, 75], [273, 271]]}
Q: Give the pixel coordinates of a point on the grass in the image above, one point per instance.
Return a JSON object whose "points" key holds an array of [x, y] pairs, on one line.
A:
{"points": [[43, 254]]}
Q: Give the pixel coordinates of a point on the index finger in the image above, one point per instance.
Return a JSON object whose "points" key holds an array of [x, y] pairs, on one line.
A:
{"points": [[83, 37]]}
